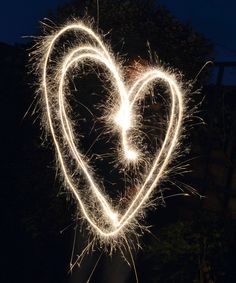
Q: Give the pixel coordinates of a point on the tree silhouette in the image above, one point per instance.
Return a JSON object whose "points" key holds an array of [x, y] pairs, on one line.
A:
{"points": [[134, 23]]}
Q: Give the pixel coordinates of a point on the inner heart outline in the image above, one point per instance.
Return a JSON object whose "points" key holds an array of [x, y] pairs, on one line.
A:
{"points": [[128, 96]]}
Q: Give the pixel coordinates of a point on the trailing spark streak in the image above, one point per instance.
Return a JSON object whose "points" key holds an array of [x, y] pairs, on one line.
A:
{"points": [[54, 83]]}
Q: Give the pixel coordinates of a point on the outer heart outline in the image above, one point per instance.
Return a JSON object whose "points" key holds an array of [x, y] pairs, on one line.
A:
{"points": [[128, 96]]}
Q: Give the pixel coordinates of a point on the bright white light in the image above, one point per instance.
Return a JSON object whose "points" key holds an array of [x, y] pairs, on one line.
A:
{"points": [[98, 210], [132, 155], [123, 119]]}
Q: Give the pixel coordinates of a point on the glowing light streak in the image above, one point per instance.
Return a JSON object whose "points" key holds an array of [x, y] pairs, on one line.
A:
{"points": [[110, 222]]}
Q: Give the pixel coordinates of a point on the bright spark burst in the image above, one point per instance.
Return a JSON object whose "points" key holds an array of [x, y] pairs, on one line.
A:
{"points": [[106, 220]]}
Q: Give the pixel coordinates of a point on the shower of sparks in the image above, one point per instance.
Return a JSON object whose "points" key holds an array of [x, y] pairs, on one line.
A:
{"points": [[107, 220]]}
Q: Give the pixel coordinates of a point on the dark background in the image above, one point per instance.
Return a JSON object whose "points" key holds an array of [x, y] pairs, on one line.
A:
{"points": [[193, 239]]}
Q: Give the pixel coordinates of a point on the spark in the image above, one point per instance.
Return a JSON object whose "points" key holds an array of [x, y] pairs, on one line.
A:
{"points": [[106, 220]]}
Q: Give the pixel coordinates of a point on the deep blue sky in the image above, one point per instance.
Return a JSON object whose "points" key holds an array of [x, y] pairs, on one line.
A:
{"points": [[216, 19], [21, 17]]}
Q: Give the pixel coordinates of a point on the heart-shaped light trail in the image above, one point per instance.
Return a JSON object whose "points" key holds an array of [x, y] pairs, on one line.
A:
{"points": [[99, 211]]}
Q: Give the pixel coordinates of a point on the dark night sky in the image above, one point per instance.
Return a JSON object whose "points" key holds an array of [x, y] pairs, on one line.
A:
{"points": [[20, 17], [214, 18]]}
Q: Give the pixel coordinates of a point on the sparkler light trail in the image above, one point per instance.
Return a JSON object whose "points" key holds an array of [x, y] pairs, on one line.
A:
{"points": [[107, 220]]}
